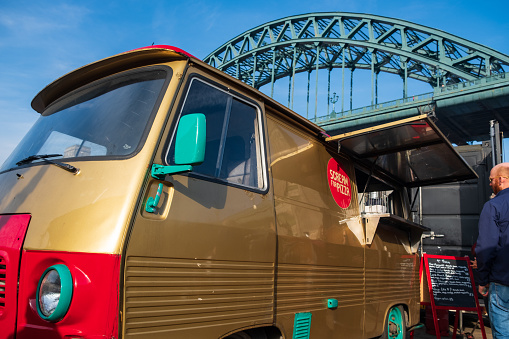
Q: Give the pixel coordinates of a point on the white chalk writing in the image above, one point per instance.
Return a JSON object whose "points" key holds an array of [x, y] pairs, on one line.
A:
{"points": [[451, 283]]}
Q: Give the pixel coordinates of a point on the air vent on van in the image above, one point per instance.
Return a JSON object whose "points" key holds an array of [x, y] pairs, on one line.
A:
{"points": [[302, 326]]}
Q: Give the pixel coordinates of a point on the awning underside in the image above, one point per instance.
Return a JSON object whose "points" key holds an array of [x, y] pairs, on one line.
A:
{"points": [[411, 151]]}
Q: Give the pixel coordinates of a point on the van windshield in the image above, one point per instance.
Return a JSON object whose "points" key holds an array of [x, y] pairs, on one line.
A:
{"points": [[106, 119]]}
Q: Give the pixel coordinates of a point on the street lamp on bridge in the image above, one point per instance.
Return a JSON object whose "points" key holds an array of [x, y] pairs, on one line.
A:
{"points": [[333, 99]]}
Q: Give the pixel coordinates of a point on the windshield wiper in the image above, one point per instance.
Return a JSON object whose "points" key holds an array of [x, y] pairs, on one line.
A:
{"points": [[31, 158], [44, 157]]}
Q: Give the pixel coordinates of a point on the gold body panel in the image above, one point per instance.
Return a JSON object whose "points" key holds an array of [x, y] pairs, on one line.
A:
{"points": [[215, 259], [319, 254]]}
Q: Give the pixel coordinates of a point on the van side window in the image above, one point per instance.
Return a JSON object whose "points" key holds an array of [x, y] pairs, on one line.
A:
{"points": [[233, 151]]}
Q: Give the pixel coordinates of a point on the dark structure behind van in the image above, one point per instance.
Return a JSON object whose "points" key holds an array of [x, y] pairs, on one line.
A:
{"points": [[452, 210]]}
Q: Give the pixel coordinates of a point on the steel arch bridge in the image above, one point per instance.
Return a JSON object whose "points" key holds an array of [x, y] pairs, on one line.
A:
{"points": [[324, 41]]}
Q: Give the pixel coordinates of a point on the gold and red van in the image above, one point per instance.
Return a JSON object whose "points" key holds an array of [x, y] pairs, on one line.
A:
{"points": [[157, 197]]}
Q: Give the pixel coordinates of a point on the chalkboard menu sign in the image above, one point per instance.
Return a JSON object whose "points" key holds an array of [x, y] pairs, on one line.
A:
{"points": [[450, 286], [451, 282]]}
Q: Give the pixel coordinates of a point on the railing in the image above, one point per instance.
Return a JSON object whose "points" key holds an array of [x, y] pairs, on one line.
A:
{"points": [[477, 82], [383, 105]]}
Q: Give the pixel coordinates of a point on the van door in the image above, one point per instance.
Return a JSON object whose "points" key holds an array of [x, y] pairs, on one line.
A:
{"points": [[202, 263]]}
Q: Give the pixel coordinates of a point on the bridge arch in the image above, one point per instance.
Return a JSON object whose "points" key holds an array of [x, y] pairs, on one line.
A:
{"points": [[324, 41]]}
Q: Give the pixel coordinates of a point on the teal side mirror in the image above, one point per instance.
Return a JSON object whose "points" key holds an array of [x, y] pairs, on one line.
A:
{"points": [[189, 146], [190, 140]]}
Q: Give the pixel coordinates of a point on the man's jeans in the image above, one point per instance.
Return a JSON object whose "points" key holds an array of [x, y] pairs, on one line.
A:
{"points": [[499, 310]]}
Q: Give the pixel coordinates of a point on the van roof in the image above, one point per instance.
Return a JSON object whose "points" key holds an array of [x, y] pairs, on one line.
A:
{"points": [[141, 57], [101, 68]]}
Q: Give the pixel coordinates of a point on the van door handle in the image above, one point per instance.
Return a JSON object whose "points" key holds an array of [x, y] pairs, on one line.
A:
{"points": [[152, 203]]}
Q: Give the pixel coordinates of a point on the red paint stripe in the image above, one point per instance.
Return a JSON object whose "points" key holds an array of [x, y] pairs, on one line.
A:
{"points": [[12, 233], [94, 309], [171, 48]]}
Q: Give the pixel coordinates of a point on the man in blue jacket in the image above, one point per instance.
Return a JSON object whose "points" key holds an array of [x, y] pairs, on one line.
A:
{"points": [[493, 252]]}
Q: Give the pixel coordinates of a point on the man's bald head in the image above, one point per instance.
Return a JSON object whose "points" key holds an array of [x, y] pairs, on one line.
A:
{"points": [[499, 177]]}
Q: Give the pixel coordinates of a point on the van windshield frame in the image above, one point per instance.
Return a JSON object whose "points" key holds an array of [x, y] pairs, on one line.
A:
{"points": [[104, 120]]}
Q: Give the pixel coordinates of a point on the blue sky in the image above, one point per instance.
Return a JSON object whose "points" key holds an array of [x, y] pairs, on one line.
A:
{"points": [[42, 40]]}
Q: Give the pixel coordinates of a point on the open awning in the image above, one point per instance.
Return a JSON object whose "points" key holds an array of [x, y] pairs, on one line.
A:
{"points": [[411, 151]]}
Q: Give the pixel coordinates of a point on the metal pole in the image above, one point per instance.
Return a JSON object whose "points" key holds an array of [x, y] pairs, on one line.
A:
{"points": [[343, 81], [376, 88], [289, 89], [328, 91], [254, 70], [272, 78], [293, 71], [316, 84], [351, 87], [492, 142], [372, 77], [420, 206], [405, 77], [496, 146], [307, 106]]}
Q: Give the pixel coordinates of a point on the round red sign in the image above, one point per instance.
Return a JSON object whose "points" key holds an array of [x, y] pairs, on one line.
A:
{"points": [[339, 184]]}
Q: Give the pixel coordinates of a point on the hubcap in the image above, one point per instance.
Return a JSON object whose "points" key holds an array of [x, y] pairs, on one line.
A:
{"points": [[395, 324]]}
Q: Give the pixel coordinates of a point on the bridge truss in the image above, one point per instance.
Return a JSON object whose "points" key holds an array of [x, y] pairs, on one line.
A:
{"points": [[324, 41]]}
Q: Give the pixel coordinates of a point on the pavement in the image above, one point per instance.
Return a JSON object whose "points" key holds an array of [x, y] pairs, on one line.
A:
{"points": [[470, 327]]}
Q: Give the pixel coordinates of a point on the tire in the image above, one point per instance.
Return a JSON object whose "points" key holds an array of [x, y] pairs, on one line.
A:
{"points": [[395, 324], [240, 335], [256, 333]]}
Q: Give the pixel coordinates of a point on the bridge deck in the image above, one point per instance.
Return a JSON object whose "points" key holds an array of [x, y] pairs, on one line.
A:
{"points": [[463, 111]]}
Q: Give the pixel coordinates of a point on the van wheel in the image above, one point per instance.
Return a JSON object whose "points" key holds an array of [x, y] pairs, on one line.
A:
{"points": [[256, 333], [395, 325]]}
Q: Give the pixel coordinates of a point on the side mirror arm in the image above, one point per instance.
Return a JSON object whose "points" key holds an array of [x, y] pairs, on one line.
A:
{"points": [[159, 171]]}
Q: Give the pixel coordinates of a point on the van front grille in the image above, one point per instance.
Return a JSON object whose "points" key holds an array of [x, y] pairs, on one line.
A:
{"points": [[13, 228], [3, 273]]}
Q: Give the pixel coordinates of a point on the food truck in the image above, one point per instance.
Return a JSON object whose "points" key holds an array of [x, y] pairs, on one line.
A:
{"points": [[157, 197]]}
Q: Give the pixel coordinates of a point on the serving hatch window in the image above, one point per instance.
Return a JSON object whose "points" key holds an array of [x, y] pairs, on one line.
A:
{"points": [[233, 151], [107, 118]]}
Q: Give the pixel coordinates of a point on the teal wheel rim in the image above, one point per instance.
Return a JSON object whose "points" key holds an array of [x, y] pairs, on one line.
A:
{"points": [[395, 324]]}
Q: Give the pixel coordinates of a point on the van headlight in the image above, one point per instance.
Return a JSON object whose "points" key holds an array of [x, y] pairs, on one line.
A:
{"points": [[54, 293]]}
